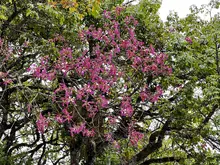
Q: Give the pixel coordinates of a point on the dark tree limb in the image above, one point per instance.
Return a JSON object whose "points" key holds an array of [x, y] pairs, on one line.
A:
{"points": [[161, 160], [155, 142]]}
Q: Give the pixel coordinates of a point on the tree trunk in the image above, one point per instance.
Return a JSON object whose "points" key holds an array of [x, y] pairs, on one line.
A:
{"points": [[74, 156], [82, 150], [75, 145]]}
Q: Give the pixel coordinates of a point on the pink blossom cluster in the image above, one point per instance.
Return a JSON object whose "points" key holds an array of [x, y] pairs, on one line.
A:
{"points": [[126, 108], [134, 136], [57, 38], [42, 70], [76, 129], [146, 94], [189, 40], [5, 78], [42, 123], [158, 93], [64, 63], [5, 51], [67, 98], [65, 116], [109, 138], [112, 120]]}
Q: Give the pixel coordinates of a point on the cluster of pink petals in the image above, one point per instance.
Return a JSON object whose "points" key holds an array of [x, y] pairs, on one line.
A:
{"points": [[109, 138], [126, 107], [5, 51], [158, 93], [189, 40], [65, 116], [135, 137], [42, 123], [77, 129], [112, 120], [41, 71]]}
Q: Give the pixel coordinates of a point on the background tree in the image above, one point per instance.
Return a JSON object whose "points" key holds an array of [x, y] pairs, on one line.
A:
{"points": [[192, 44]]}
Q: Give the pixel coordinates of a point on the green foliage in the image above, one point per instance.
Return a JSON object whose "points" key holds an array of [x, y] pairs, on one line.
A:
{"points": [[150, 27], [4, 160], [191, 97]]}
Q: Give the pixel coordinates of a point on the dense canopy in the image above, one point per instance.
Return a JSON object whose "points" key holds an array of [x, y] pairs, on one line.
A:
{"points": [[107, 82]]}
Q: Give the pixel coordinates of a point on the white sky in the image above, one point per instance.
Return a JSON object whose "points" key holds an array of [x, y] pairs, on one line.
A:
{"points": [[180, 6]]}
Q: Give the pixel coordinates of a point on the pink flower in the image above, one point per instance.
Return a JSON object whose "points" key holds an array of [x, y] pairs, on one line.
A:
{"points": [[118, 10], [97, 34], [126, 108], [154, 67], [189, 40], [80, 94], [111, 34], [159, 92], [112, 120], [59, 118], [169, 70], [92, 111], [130, 54], [117, 49], [67, 116], [161, 58], [108, 137], [135, 137], [131, 33], [7, 81], [89, 133], [107, 14], [42, 123], [125, 44], [77, 129], [113, 70], [136, 61], [106, 39], [87, 104], [116, 145], [29, 108], [51, 75], [155, 98], [103, 86], [103, 101], [152, 51], [143, 96]]}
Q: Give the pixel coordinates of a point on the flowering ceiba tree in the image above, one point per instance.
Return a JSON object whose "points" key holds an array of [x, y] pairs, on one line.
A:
{"points": [[99, 94]]}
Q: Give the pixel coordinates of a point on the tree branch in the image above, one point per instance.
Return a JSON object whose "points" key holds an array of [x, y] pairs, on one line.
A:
{"points": [[153, 145]]}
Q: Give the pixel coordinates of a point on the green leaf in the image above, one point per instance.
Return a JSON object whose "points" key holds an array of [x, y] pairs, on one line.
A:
{"points": [[28, 12], [2, 17]]}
